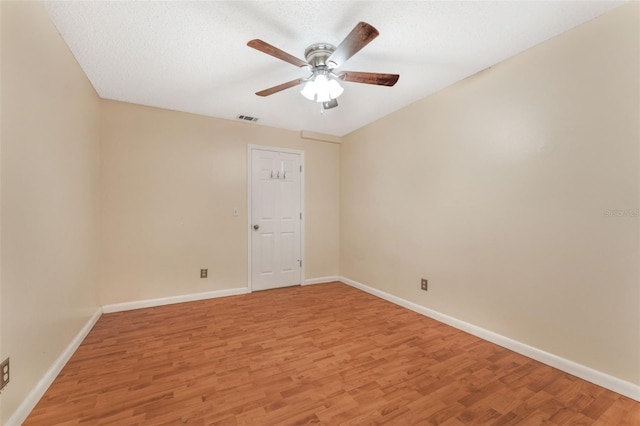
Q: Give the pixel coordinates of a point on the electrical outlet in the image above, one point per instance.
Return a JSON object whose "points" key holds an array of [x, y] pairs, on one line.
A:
{"points": [[424, 284], [203, 273], [4, 370]]}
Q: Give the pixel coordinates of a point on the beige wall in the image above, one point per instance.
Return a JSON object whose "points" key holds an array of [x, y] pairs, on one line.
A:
{"points": [[170, 182], [50, 210], [496, 190]]}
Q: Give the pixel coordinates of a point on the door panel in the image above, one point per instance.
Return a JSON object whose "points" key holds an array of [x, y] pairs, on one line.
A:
{"points": [[276, 196], [267, 248]]}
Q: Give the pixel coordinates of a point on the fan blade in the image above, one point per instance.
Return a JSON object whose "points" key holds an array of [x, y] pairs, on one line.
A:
{"points": [[369, 78], [280, 87], [265, 47], [361, 35]]}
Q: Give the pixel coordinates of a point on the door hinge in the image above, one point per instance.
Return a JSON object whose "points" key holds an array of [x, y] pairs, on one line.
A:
{"points": [[300, 216], [300, 262], [300, 168]]}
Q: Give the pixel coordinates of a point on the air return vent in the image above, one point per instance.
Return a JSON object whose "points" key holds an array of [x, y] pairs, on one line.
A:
{"points": [[247, 118]]}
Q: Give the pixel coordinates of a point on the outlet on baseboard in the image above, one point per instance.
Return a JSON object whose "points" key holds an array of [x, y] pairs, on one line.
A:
{"points": [[203, 273], [4, 373], [424, 284]]}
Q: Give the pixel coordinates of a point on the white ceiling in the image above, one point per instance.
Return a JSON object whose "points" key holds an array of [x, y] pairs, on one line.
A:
{"points": [[192, 56]]}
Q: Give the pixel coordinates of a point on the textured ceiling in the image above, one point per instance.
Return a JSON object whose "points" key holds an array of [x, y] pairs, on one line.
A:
{"points": [[192, 56]]}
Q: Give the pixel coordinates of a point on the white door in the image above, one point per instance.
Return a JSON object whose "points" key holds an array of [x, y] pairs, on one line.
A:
{"points": [[276, 217]]}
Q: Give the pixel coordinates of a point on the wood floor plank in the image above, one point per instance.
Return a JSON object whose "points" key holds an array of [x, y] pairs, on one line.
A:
{"points": [[326, 354]]}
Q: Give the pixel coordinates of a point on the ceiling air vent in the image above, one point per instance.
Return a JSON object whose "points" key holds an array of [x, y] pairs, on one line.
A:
{"points": [[247, 118]]}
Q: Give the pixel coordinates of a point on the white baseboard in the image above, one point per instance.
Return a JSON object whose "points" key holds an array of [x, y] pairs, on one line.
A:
{"points": [[150, 303], [321, 280], [615, 384], [29, 403]]}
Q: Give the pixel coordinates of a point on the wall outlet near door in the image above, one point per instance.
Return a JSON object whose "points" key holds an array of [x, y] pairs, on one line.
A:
{"points": [[424, 285], [4, 373], [203, 273]]}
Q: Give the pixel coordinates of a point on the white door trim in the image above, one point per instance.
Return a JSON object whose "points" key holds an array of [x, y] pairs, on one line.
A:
{"points": [[250, 148]]}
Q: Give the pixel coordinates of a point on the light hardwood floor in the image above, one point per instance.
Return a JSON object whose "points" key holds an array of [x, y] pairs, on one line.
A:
{"points": [[326, 354]]}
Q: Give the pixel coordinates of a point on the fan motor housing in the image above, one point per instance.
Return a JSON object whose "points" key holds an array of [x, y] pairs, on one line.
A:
{"points": [[318, 53]]}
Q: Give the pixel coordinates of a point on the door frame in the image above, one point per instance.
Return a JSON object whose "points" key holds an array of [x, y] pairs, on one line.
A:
{"points": [[250, 149]]}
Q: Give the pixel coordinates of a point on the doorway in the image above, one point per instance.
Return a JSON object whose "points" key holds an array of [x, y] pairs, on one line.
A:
{"points": [[276, 183]]}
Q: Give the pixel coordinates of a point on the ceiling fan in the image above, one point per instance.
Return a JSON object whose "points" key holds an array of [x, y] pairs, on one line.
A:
{"points": [[322, 59]]}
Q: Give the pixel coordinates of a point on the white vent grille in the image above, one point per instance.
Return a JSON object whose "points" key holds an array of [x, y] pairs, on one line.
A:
{"points": [[247, 118]]}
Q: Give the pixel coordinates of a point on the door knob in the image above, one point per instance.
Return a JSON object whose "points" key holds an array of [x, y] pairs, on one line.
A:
{"points": [[256, 227]]}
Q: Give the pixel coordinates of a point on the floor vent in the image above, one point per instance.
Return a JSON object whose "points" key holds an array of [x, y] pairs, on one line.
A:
{"points": [[247, 118]]}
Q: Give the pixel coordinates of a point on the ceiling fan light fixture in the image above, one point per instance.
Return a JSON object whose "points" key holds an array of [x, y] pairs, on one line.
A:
{"points": [[335, 89], [321, 89], [308, 91]]}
